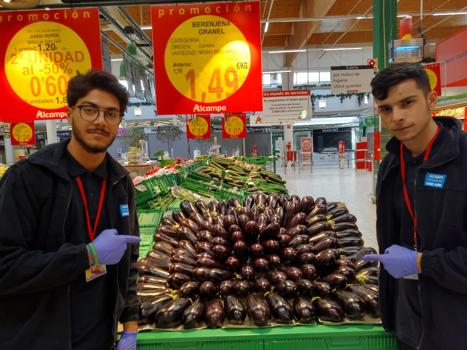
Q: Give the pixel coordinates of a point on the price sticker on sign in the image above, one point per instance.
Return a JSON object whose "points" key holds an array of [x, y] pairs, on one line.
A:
{"points": [[198, 127], [211, 56], [42, 50], [234, 126]]}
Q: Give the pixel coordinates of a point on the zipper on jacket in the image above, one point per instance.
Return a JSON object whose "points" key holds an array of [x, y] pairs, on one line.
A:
{"points": [[416, 249]]}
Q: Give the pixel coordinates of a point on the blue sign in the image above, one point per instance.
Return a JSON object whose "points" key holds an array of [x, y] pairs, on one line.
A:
{"points": [[124, 211], [435, 180]]}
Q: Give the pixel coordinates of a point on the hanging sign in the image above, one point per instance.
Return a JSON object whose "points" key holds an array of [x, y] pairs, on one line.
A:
{"points": [[198, 127], [207, 57], [306, 147], [40, 51], [22, 133], [351, 79], [433, 70], [234, 126]]}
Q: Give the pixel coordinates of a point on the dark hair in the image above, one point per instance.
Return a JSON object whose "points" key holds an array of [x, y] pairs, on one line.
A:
{"points": [[80, 85], [396, 73]]}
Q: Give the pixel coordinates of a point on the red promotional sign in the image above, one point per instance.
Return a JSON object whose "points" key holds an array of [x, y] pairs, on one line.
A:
{"points": [[22, 133], [433, 70], [198, 127], [405, 28], [207, 57], [377, 145], [234, 126], [40, 51]]}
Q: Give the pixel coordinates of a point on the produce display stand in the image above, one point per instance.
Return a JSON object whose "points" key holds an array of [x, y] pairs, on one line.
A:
{"points": [[316, 337]]}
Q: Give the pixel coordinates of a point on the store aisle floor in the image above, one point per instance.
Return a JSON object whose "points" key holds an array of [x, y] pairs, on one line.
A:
{"points": [[344, 185]]}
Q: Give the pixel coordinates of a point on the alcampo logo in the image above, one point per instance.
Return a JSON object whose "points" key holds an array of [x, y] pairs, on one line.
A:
{"points": [[200, 108], [50, 115]]}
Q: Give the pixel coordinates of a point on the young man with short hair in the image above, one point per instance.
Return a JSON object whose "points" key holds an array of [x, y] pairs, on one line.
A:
{"points": [[421, 215], [69, 236]]}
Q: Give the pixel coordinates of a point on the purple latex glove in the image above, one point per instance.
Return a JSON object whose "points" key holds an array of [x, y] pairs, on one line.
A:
{"points": [[397, 260], [110, 246], [127, 341]]}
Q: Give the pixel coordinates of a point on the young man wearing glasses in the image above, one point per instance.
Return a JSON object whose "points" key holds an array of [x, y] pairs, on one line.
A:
{"points": [[421, 204], [68, 242]]}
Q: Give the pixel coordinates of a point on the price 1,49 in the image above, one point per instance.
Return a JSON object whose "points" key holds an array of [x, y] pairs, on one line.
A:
{"points": [[50, 85], [222, 85]]}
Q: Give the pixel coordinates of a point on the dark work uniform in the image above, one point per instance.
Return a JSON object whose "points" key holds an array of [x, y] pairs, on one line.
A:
{"points": [[90, 302], [408, 315]]}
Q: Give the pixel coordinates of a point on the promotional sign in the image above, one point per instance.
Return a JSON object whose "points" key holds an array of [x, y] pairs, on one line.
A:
{"points": [[452, 52], [377, 145], [234, 126], [22, 133], [198, 127], [40, 51], [433, 70], [260, 120], [294, 104], [207, 57], [306, 146], [405, 28], [351, 79]]}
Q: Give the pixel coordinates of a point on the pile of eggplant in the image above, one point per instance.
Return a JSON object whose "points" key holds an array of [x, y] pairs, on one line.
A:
{"points": [[271, 259]]}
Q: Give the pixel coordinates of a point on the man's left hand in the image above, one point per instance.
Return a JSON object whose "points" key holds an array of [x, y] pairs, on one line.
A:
{"points": [[127, 341], [397, 260]]}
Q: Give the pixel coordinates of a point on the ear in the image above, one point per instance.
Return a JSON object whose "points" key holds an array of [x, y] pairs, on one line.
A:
{"points": [[432, 98], [69, 112]]}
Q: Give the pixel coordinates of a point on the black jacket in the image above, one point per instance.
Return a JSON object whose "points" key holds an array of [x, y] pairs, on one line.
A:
{"points": [[442, 230], [37, 264]]}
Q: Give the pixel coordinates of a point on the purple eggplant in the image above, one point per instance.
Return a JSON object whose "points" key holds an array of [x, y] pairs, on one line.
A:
{"points": [[163, 247], [293, 273], [280, 308], [347, 271], [188, 247], [321, 289], [304, 310], [276, 276], [160, 237], [193, 315], [220, 240], [315, 219], [297, 219], [369, 297], [271, 246], [237, 236], [170, 231], [256, 250], [307, 204], [329, 310], [271, 230], [261, 264], [303, 248], [151, 306], [235, 310], [208, 289], [218, 275], [221, 252], [234, 228], [258, 310], [209, 262], [273, 260], [351, 303], [178, 216], [248, 272], [214, 313], [318, 209], [262, 284], [298, 240], [287, 288], [305, 287], [205, 236], [177, 279], [326, 258], [189, 289], [240, 249], [227, 287], [182, 258], [307, 258], [182, 268], [309, 271], [325, 243], [242, 288], [297, 230], [284, 239], [170, 315], [248, 201], [336, 280], [288, 254], [233, 263]]}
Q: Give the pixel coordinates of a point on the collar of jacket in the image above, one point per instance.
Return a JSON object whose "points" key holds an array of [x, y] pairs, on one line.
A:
{"points": [[445, 148], [52, 157]]}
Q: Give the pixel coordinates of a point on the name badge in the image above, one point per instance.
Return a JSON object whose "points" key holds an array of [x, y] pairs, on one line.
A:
{"points": [[95, 272], [124, 211], [435, 180]]}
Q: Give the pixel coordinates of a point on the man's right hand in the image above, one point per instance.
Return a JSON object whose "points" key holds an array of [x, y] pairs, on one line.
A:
{"points": [[110, 246]]}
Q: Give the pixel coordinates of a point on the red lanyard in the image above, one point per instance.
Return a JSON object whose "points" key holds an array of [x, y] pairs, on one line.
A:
{"points": [[406, 193], [92, 232]]}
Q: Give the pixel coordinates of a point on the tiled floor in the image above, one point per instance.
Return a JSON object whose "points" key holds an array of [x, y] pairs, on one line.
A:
{"points": [[344, 185]]}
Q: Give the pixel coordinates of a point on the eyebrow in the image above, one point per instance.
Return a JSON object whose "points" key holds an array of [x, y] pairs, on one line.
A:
{"points": [[94, 105], [403, 100]]}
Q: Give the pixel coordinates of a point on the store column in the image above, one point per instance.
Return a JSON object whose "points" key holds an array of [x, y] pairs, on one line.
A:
{"points": [[384, 30], [51, 126]]}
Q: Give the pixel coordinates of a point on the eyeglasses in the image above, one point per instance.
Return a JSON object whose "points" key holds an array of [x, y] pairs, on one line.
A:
{"points": [[91, 113]]}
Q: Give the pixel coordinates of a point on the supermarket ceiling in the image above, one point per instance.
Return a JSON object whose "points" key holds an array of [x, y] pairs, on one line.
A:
{"points": [[285, 24]]}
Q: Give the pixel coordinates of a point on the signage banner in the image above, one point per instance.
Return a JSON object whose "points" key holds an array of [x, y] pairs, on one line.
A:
{"points": [[306, 147], [351, 79], [207, 57], [40, 51], [433, 70], [22, 133], [290, 103], [198, 127], [259, 120], [452, 52], [234, 126]]}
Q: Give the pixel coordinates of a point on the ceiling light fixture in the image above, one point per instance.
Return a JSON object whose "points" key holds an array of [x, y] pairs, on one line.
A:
{"points": [[7, 1], [343, 48], [277, 71], [371, 17], [266, 27], [449, 13], [146, 27], [116, 59], [287, 51]]}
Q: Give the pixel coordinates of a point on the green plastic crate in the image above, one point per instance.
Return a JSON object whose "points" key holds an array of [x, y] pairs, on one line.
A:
{"points": [[319, 337], [148, 221]]}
